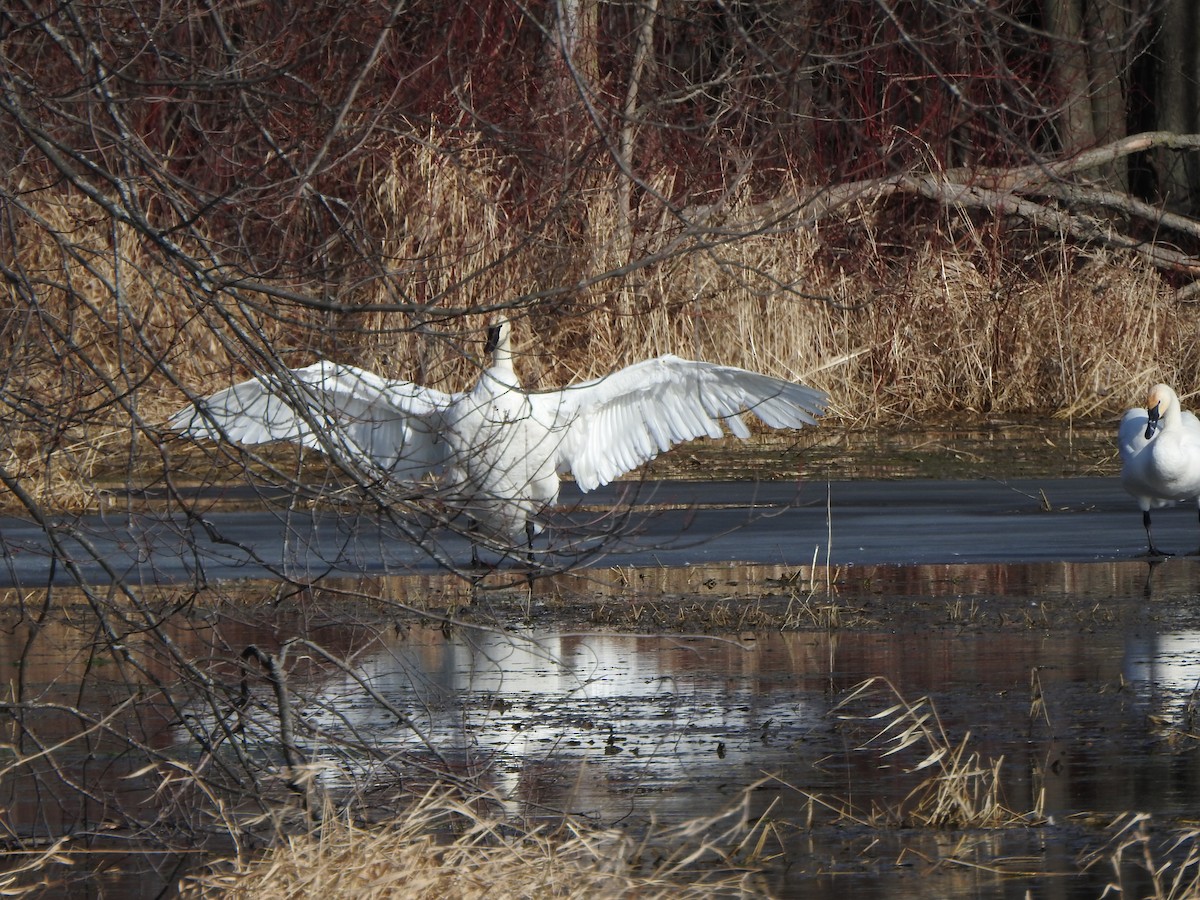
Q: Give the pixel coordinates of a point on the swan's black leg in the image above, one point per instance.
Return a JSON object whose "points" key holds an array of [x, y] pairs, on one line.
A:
{"points": [[1152, 551], [1148, 587], [529, 552], [472, 531]]}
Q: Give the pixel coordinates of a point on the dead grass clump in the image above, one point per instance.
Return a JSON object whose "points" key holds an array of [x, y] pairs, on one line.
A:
{"points": [[445, 847], [962, 790], [1144, 864], [1058, 334]]}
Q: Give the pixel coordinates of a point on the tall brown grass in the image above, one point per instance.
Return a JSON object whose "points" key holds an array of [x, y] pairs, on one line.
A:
{"points": [[1157, 861], [443, 847], [965, 320]]}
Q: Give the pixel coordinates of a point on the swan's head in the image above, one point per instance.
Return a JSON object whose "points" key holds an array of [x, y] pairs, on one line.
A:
{"points": [[499, 347], [499, 336], [1158, 401]]}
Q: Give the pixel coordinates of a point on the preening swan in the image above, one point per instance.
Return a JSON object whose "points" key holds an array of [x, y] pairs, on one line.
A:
{"points": [[1160, 452], [499, 449]]}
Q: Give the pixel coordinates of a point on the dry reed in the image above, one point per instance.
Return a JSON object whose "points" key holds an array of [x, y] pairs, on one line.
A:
{"points": [[443, 846], [966, 322], [962, 790], [1145, 864]]}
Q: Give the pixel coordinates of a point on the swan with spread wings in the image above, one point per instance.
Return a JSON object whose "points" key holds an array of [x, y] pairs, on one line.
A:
{"points": [[498, 449]]}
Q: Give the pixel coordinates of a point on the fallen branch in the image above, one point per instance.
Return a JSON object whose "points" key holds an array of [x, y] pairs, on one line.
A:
{"points": [[1049, 195]]}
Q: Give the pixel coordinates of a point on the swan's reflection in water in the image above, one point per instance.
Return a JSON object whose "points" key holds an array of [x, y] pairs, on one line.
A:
{"points": [[674, 726], [624, 728], [561, 720]]}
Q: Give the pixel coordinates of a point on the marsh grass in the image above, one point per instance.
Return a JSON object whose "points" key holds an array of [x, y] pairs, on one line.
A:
{"points": [[446, 846], [958, 788], [1181, 728], [1148, 864], [949, 319]]}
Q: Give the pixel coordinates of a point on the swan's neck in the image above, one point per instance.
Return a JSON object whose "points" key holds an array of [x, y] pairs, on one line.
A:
{"points": [[1172, 414], [501, 370], [502, 357]]}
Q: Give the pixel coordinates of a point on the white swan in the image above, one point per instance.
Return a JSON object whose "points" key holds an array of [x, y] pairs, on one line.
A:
{"points": [[498, 448], [1160, 452]]}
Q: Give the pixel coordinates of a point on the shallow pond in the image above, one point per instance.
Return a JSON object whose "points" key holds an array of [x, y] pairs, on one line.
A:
{"points": [[1072, 684]]}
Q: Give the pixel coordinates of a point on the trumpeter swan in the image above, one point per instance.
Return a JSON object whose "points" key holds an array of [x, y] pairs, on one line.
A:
{"points": [[498, 448], [1160, 452]]}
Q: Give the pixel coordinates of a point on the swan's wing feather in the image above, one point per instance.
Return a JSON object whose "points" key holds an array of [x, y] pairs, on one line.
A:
{"points": [[1190, 422], [1131, 436], [333, 408], [614, 424]]}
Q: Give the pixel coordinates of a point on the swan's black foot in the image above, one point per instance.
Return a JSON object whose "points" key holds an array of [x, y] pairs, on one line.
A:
{"points": [[1153, 552]]}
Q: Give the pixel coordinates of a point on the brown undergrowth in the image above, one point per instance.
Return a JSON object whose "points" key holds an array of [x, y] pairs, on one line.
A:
{"points": [[898, 323], [443, 846]]}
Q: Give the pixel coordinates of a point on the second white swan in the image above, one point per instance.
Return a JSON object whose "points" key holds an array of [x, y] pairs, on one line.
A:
{"points": [[1160, 453]]}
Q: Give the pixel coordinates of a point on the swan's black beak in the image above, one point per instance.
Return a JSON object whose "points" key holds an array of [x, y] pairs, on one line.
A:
{"points": [[493, 339], [1151, 420]]}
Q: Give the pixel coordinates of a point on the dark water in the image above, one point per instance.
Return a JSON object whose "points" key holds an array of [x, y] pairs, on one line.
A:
{"points": [[1077, 679], [623, 728]]}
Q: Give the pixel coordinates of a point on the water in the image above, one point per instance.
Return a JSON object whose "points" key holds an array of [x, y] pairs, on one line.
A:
{"points": [[708, 687]]}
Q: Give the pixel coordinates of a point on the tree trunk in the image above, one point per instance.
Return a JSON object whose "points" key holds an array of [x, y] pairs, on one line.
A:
{"points": [[1178, 103], [1088, 62], [1107, 28], [1069, 70], [629, 125], [572, 73]]}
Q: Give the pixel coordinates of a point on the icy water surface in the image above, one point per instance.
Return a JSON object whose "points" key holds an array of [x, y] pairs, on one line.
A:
{"points": [[706, 688], [1074, 680]]}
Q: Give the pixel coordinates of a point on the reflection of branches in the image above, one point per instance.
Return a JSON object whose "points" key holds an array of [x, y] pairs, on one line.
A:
{"points": [[273, 666], [49, 752], [401, 717]]}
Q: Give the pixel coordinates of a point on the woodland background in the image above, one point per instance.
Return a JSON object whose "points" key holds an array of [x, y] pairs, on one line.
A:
{"points": [[925, 208]]}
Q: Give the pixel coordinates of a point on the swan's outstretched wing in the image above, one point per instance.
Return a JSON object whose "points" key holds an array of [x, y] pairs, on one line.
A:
{"points": [[612, 425], [333, 408]]}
